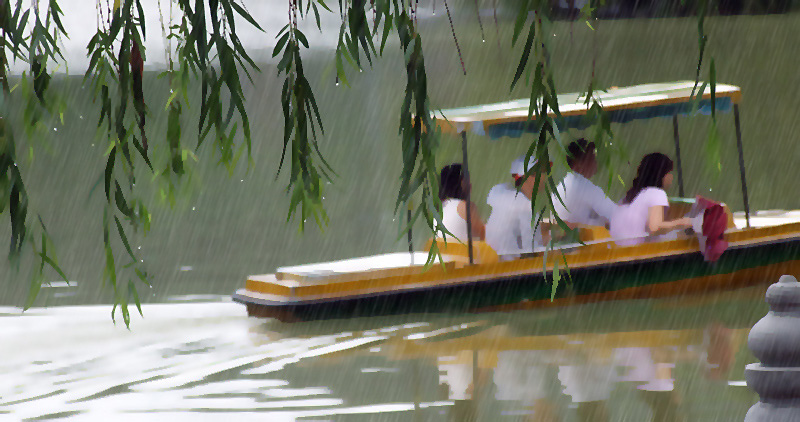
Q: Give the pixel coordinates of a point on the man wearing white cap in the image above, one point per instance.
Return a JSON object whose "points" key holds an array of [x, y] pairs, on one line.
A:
{"points": [[509, 230]]}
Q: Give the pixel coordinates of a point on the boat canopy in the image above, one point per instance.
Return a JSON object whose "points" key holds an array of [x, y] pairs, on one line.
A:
{"points": [[622, 105]]}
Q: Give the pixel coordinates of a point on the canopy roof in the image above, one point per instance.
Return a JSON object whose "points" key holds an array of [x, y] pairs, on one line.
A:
{"points": [[622, 105]]}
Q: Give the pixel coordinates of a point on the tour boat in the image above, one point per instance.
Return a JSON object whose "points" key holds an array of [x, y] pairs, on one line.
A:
{"points": [[471, 277]]}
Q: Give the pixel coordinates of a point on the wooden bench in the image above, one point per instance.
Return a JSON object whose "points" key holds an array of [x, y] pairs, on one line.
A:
{"points": [[482, 252]]}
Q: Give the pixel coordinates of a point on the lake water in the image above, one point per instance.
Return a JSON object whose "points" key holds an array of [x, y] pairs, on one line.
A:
{"points": [[669, 360]]}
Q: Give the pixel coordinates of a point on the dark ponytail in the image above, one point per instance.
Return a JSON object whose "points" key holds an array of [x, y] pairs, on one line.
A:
{"points": [[650, 173], [451, 183]]}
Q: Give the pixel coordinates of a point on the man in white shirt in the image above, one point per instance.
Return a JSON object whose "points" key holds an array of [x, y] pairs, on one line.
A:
{"points": [[584, 202], [509, 230]]}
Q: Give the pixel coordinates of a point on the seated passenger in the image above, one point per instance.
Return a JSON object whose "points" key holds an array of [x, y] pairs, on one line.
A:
{"points": [[640, 218], [585, 202], [453, 188], [509, 230]]}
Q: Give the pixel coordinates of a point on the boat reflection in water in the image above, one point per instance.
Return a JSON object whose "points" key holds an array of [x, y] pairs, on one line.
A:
{"points": [[534, 378], [523, 369]]}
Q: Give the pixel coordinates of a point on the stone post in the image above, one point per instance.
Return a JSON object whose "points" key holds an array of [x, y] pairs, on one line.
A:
{"points": [[775, 341]]}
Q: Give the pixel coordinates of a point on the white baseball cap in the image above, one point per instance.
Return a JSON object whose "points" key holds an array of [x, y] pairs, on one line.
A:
{"points": [[518, 166]]}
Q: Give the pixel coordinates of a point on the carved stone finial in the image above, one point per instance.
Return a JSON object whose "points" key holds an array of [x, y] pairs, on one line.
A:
{"points": [[775, 341]]}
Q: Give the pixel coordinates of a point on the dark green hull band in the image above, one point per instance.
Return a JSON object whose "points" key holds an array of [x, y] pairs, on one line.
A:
{"points": [[470, 297]]}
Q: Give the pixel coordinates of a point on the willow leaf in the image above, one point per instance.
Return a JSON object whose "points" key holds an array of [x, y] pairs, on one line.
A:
{"points": [[526, 51], [132, 291], [243, 13], [124, 238]]}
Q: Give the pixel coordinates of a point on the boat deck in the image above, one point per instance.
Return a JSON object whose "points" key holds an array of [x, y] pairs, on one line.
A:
{"points": [[767, 218], [370, 264]]}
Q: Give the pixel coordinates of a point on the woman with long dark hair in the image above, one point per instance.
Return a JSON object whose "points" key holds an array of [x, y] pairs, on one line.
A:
{"points": [[641, 214], [453, 188]]}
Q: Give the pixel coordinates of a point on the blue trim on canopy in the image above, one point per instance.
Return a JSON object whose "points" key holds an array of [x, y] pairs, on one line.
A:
{"points": [[517, 129]]}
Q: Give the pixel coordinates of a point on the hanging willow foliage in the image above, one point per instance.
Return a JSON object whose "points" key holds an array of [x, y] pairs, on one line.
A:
{"points": [[208, 52], [35, 43]]}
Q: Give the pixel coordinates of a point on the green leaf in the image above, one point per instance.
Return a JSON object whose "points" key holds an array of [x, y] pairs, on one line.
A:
{"points": [[173, 139], [316, 17], [387, 27], [301, 37], [111, 269], [142, 276], [126, 315], [522, 16], [109, 171], [324, 6], [284, 28], [279, 45], [142, 152], [169, 100], [556, 280], [135, 294], [243, 13], [55, 267], [141, 21], [120, 201], [712, 72], [340, 68], [33, 290], [713, 149], [124, 239], [523, 61], [698, 97], [566, 267], [537, 88]]}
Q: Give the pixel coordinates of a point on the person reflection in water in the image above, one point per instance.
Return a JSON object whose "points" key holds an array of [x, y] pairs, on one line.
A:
{"points": [[653, 379], [522, 376], [589, 382], [456, 379], [719, 355]]}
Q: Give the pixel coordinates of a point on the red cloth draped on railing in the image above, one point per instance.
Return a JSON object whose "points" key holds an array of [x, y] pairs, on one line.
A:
{"points": [[713, 222]]}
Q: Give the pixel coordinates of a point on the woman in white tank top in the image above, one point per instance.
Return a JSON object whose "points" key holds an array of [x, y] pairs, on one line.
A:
{"points": [[453, 188]]}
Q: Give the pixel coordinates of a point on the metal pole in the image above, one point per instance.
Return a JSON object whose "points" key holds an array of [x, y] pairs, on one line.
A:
{"points": [[741, 163], [410, 243], [465, 166], [678, 154]]}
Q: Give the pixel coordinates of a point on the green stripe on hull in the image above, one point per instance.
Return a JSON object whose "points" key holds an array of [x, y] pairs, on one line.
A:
{"points": [[532, 287], [618, 276], [684, 267]]}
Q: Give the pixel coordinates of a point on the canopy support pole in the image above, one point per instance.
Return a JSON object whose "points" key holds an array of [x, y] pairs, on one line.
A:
{"points": [[678, 154], [465, 166], [410, 238], [741, 163]]}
